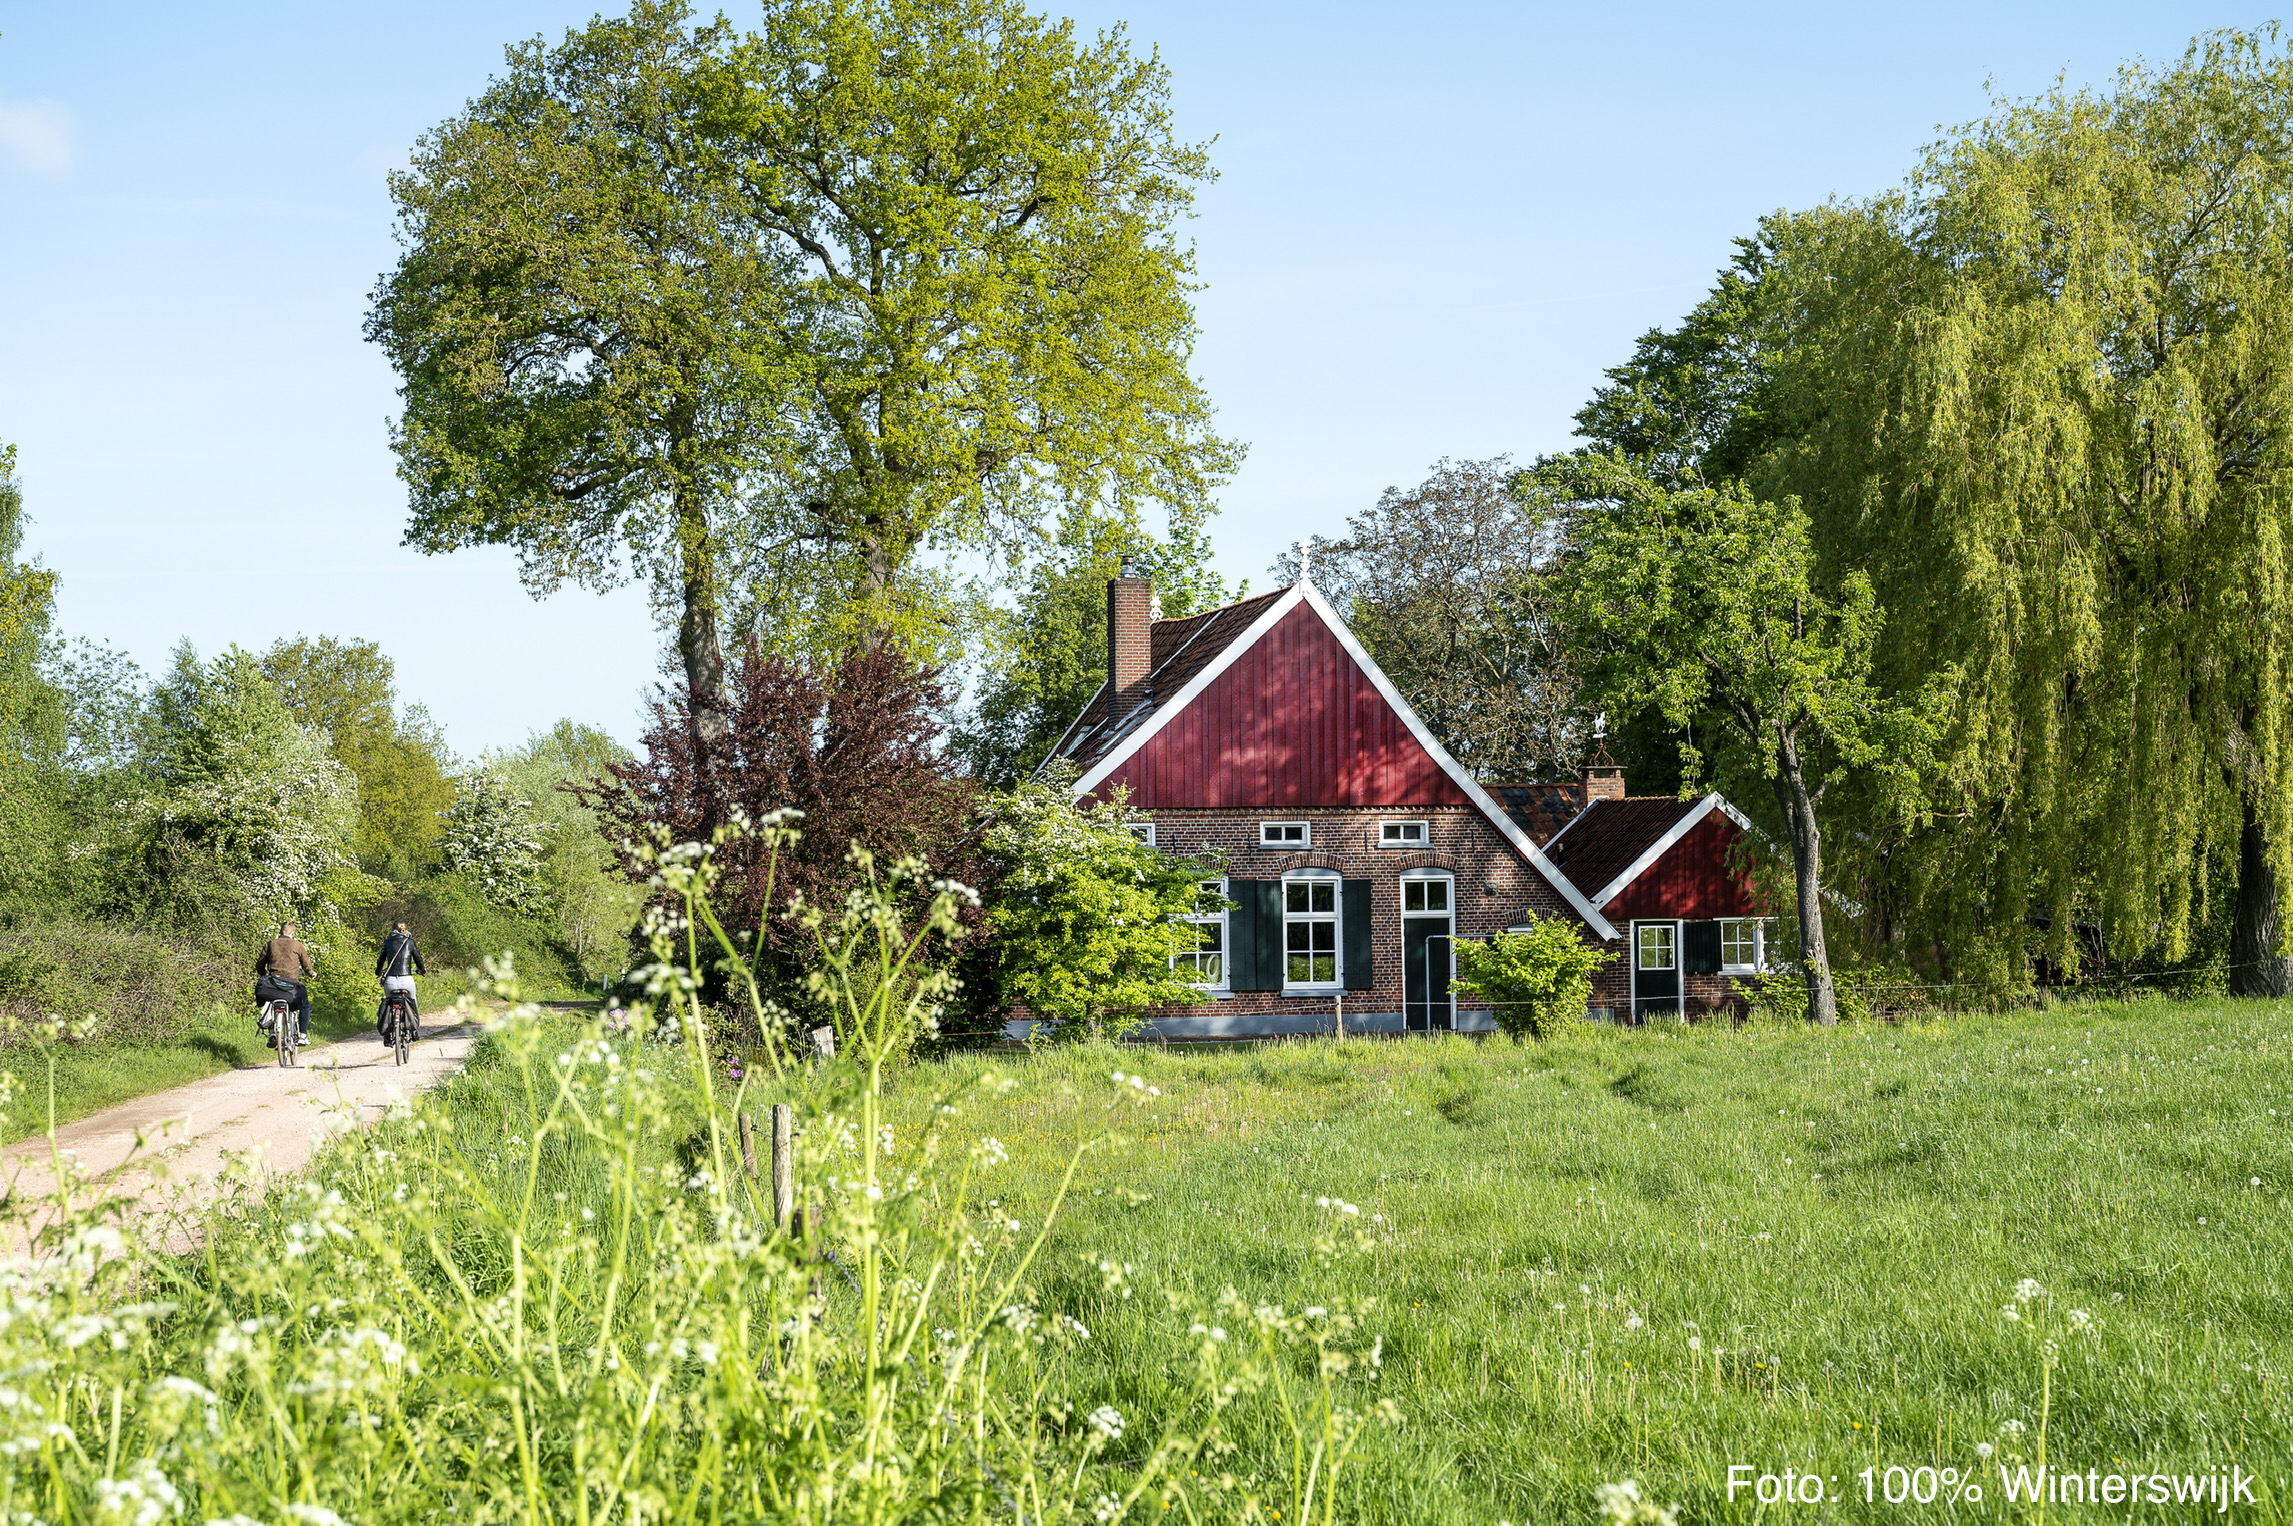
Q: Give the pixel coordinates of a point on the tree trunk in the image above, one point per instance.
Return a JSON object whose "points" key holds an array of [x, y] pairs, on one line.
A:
{"points": [[2256, 968], [1807, 871], [699, 645]]}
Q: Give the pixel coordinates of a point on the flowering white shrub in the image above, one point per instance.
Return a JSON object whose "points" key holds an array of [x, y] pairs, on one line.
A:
{"points": [[497, 838], [278, 814]]}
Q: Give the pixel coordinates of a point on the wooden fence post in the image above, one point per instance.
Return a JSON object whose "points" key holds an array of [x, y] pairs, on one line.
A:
{"points": [[748, 1146], [783, 1165], [824, 1043]]}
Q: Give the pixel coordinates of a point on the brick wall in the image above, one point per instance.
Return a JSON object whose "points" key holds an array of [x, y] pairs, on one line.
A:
{"points": [[1494, 886]]}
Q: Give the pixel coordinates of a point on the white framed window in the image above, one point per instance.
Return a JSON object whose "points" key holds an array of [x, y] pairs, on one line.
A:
{"points": [[1654, 948], [1310, 931], [1743, 946], [1285, 834], [1402, 834], [1425, 895], [1142, 830], [1205, 964]]}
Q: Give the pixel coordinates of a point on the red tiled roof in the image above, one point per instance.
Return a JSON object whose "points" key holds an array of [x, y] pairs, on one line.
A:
{"points": [[1179, 650], [1611, 835], [1540, 810]]}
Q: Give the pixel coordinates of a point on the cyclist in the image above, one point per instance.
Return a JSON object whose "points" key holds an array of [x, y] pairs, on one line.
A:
{"points": [[286, 961], [401, 961]]}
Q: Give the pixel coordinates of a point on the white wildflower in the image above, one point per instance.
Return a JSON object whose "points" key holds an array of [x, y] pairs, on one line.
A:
{"points": [[1108, 1422], [143, 1498], [1623, 1505]]}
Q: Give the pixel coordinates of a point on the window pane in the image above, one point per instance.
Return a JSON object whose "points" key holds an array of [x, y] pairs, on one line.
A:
{"points": [[1413, 895], [1436, 895], [1325, 893], [1212, 898], [1656, 948], [1294, 894]]}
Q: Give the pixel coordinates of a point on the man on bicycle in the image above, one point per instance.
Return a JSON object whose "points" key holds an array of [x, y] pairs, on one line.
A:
{"points": [[286, 961], [401, 961]]}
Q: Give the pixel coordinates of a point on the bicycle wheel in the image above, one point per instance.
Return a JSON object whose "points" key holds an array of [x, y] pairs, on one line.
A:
{"points": [[283, 1035], [401, 1024]]}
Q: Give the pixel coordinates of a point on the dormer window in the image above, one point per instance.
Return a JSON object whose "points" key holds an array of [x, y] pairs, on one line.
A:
{"points": [[1401, 834], [1285, 834]]}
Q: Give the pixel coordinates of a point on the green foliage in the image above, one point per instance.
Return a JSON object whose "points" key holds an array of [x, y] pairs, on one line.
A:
{"points": [[2041, 396], [591, 905], [1707, 600], [345, 690], [780, 313], [1082, 911], [254, 809], [458, 929], [1539, 980], [496, 840], [139, 984], [1048, 657]]}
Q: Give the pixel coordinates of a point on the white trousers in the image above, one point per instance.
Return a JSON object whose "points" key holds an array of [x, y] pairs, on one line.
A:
{"points": [[398, 983]]}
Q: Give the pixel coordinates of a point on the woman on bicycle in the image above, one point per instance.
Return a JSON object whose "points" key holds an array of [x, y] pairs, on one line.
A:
{"points": [[401, 961]]}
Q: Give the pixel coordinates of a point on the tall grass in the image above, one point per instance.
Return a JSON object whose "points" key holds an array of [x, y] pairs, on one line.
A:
{"points": [[551, 1293]]}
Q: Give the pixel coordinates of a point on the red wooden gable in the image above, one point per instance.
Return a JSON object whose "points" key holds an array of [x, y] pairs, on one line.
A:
{"points": [[1693, 880], [1293, 723]]}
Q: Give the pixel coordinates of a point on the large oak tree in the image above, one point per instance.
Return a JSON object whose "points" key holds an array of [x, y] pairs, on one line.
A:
{"points": [[787, 311]]}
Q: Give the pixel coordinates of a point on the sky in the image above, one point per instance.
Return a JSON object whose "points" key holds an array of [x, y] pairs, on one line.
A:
{"points": [[1433, 227]]}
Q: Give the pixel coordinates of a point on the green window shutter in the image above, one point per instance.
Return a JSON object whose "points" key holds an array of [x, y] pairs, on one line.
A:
{"points": [[1361, 969], [1700, 948], [1254, 931]]}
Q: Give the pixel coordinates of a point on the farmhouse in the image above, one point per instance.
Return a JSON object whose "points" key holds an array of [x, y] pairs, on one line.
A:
{"points": [[1358, 851]]}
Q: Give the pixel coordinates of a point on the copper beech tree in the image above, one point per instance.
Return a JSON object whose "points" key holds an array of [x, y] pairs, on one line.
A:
{"points": [[852, 742]]}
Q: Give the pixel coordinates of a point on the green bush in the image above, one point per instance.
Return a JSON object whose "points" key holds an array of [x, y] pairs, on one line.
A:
{"points": [[1538, 981], [137, 984], [459, 929]]}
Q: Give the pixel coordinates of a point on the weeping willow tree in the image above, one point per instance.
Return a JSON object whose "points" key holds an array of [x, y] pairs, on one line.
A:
{"points": [[2046, 395]]}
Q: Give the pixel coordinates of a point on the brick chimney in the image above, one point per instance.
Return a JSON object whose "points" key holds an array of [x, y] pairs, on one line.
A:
{"points": [[1130, 612], [1603, 776]]}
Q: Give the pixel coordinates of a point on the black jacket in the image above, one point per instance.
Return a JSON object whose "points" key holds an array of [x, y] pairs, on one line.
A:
{"points": [[399, 957]]}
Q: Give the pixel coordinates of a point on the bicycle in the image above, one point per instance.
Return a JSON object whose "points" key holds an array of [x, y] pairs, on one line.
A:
{"points": [[279, 1019], [401, 1023]]}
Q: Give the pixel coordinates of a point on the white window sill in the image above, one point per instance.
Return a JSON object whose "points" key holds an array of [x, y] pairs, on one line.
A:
{"points": [[1313, 990], [1741, 969]]}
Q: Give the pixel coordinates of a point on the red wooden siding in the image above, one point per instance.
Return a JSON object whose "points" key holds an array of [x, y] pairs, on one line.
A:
{"points": [[1692, 880], [1294, 723]]}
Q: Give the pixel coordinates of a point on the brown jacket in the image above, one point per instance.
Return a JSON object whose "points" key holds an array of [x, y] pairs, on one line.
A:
{"points": [[287, 959]]}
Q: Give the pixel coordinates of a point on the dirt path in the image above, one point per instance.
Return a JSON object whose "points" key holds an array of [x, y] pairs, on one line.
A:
{"points": [[170, 1149]]}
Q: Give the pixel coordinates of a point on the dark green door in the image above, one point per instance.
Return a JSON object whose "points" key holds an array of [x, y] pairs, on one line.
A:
{"points": [[1426, 957], [1655, 970]]}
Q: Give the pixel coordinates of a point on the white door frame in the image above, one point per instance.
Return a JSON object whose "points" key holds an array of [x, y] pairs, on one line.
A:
{"points": [[1679, 962]]}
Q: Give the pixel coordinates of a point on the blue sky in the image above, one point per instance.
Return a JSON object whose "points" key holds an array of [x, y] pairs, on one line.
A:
{"points": [[1435, 225]]}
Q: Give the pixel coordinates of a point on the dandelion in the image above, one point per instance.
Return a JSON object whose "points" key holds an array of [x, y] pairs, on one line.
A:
{"points": [[1632, 1322], [1983, 1449]]}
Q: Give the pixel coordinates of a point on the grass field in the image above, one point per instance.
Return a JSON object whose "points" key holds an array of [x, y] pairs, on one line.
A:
{"points": [[1659, 1254], [547, 1294]]}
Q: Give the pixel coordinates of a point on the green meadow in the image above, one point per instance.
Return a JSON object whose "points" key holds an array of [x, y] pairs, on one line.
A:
{"points": [[1474, 1281], [1657, 1254]]}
